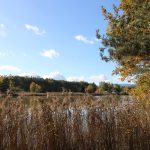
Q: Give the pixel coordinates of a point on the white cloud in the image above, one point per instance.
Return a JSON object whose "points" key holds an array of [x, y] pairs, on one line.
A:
{"points": [[94, 78], [83, 39], [98, 78], [29, 74], [35, 29], [73, 78], [55, 76], [3, 30], [50, 53], [9, 68]]}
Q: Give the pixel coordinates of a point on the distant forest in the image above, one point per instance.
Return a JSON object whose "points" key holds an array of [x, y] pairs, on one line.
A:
{"points": [[36, 84]]}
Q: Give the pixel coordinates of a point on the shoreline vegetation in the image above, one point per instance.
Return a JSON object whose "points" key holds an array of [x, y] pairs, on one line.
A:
{"points": [[16, 85], [74, 122], [59, 94]]}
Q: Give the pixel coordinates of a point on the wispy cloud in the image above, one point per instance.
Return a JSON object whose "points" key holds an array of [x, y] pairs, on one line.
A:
{"points": [[35, 29], [83, 39], [74, 78], [98, 78], [9, 68], [54, 75], [50, 53], [94, 78], [3, 31], [29, 74]]}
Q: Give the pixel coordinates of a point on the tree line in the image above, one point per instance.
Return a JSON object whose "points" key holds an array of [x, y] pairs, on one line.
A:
{"points": [[37, 84]]}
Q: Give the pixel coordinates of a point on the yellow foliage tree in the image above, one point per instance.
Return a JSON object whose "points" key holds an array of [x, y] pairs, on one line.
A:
{"points": [[127, 42], [142, 91]]}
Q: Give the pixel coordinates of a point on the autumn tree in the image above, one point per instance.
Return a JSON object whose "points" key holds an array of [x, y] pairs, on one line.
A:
{"points": [[35, 87], [91, 88], [142, 91], [127, 39]]}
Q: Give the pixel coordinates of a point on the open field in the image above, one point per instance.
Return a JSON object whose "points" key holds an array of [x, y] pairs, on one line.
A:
{"points": [[74, 122]]}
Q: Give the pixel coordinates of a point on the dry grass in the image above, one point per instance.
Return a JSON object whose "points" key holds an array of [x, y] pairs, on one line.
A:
{"points": [[73, 123]]}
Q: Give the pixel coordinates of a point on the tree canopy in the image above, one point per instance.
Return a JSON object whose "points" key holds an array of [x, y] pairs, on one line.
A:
{"points": [[18, 84], [127, 39], [35, 84]]}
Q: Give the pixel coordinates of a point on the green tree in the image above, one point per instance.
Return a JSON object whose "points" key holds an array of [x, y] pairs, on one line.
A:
{"points": [[116, 88], [11, 82], [4, 84], [127, 39], [105, 87]]}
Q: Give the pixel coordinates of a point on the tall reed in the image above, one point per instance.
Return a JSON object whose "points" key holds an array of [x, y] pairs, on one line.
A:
{"points": [[73, 123]]}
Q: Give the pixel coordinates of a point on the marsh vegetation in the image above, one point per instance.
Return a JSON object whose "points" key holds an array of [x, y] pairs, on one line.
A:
{"points": [[74, 122]]}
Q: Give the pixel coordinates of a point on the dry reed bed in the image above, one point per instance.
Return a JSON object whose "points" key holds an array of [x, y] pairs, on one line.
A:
{"points": [[71, 123]]}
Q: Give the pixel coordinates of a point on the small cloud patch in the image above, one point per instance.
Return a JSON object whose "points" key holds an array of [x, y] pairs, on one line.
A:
{"points": [[76, 79], [35, 29], [55, 76], [98, 78], [50, 53], [83, 39], [29, 74]]}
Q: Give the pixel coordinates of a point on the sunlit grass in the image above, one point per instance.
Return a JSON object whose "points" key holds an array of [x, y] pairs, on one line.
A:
{"points": [[74, 122]]}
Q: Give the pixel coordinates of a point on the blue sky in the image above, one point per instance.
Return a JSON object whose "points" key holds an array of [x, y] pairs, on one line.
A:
{"points": [[54, 39]]}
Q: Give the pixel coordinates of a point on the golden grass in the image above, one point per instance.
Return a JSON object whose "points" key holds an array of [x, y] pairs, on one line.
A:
{"points": [[73, 123]]}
